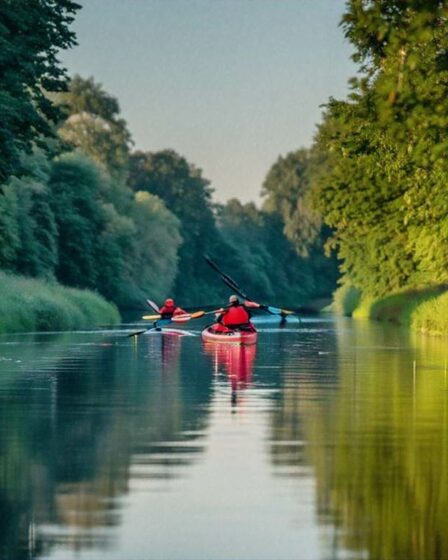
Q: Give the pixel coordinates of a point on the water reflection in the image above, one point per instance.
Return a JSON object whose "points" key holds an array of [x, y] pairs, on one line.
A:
{"points": [[77, 432], [118, 448], [376, 438], [236, 361]]}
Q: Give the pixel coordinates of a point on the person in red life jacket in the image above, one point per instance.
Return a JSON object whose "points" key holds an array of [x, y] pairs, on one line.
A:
{"points": [[235, 316], [170, 309]]}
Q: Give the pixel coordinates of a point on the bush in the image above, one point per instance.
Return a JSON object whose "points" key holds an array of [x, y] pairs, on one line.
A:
{"points": [[431, 316], [424, 309], [36, 305], [346, 299]]}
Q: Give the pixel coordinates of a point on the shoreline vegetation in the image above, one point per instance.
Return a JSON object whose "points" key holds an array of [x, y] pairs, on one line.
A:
{"points": [[31, 305], [424, 310]]}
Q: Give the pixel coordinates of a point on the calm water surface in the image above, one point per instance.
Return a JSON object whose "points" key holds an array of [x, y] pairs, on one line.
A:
{"points": [[329, 440]]}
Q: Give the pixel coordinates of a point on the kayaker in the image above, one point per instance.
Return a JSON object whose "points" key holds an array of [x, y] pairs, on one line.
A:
{"points": [[235, 316], [170, 309]]}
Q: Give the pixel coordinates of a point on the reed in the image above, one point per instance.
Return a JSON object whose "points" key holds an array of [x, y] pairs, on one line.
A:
{"points": [[28, 304]]}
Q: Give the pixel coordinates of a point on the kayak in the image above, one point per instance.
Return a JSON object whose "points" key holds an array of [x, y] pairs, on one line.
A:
{"points": [[232, 336]]}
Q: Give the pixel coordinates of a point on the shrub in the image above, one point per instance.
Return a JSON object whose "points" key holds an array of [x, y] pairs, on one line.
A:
{"points": [[36, 305]]}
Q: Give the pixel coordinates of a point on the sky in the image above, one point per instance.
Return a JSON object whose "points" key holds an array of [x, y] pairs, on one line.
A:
{"points": [[229, 84]]}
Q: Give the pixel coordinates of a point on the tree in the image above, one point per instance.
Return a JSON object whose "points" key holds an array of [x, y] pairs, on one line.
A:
{"points": [[31, 34], [286, 189], [93, 125], [263, 260], [187, 194], [28, 235], [75, 185], [9, 227], [37, 252], [156, 247], [384, 188]]}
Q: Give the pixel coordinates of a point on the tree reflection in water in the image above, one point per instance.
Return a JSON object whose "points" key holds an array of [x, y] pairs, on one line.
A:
{"points": [[79, 424], [376, 440]]}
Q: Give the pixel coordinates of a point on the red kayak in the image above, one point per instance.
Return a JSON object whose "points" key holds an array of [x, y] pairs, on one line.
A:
{"points": [[216, 333]]}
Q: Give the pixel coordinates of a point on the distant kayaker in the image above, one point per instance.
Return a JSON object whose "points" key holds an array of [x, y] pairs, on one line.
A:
{"points": [[235, 316], [170, 309]]}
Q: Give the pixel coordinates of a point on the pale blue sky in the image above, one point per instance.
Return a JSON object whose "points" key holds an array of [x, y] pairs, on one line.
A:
{"points": [[228, 84]]}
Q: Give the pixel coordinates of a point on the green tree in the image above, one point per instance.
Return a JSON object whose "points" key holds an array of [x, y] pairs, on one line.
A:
{"points": [[28, 235], [31, 34], [383, 190], [9, 227], [36, 254], [75, 185], [263, 260], [286, 190], [187, 194], [94, 126], [156, 246]]}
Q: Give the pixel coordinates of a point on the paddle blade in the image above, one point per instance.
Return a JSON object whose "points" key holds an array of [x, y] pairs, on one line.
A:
{"points": [[188, 316], [151, 317], [278, 311], [153, 305]]}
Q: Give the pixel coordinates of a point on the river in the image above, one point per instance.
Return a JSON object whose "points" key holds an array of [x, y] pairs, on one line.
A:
{"points": [[328, 440]]}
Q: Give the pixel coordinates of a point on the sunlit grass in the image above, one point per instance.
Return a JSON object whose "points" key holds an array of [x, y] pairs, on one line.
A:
{"points": [[425, 310], [432, 316], [36, 305], [345, 300]]}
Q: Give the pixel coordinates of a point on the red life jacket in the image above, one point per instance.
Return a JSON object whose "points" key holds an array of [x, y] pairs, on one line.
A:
{"points": [[167, 310], [235, 315]]}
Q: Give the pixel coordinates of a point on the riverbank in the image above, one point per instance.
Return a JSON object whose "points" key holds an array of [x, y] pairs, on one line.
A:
{"points": [[424, 310], [28, 305]]}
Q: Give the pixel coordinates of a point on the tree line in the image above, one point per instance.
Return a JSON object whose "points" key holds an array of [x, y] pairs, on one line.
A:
{"points": [[80, 206], [382, 182]]}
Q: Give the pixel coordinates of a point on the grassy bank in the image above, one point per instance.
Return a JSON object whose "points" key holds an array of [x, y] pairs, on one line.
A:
{"points": [[424, 310], [36, 305]]}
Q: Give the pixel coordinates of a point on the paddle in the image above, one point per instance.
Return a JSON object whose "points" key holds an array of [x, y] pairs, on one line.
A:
{"points": [[230, 282], [196, 315], [226, 278], [151, 317], [153, 305]]}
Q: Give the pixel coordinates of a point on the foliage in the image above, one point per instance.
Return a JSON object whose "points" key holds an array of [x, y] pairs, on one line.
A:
{"points": [[9, 227], [94, 126], [431, 316], [382, 189], [399, 307], [31, 34], [75, 185], [187, 194], [177, 182], [31, 305], [262, 260], [286, 190], [36, 254], [155, 247], [346, 299], [28, 235]]}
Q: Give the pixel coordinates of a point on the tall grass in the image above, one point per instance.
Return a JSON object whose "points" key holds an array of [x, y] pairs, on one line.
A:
{"points": [[36, 305], [345, 300], [431, 316], [424, 310]]}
